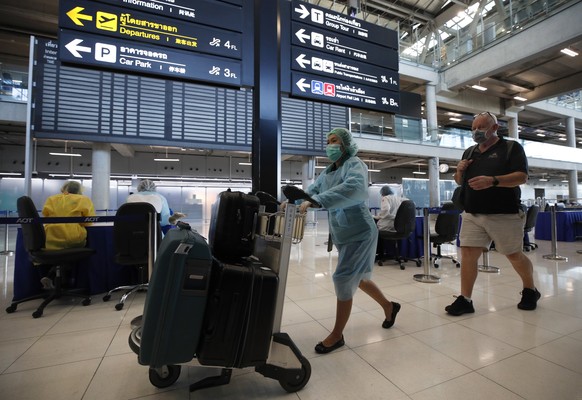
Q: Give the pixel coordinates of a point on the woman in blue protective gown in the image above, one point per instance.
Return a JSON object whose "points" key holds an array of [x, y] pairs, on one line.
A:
{"points": [[342, 188]]}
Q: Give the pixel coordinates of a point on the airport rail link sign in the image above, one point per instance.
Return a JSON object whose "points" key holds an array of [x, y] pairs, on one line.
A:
{"points": [[104, 19], [338, 59], [106, 52]]}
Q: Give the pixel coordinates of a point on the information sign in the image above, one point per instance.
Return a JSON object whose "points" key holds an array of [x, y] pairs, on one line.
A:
{"points": [[104, 19], [105, 52], [346, 93], [341, 68], [207, 12], [340, 23]]}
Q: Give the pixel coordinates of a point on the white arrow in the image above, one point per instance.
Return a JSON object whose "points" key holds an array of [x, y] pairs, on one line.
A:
{"points": [[301, 36], [302, 85], [74, 48], [302, 61], [303, 10]]}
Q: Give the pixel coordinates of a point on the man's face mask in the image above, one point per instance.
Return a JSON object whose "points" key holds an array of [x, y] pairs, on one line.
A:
{"points": [[479, 136], [333, 151]]}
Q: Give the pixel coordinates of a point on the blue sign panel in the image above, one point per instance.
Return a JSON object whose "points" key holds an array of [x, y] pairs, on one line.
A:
{"points": [[332, 21], [105, 52], [120, 23], [207, 12], [328, 65], [342, 92]]}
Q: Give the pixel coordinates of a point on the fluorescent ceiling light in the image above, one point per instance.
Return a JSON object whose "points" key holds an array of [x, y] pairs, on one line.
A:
{"points": [[373, 170], [419, 172], [66, 154], [10, 173], [563, 139], [519, 98], [565, 181], [320, 167], [167, 159], [541, 134], [569, 52], [479, 87], [543, 179], [455, 119], [245, 163]]}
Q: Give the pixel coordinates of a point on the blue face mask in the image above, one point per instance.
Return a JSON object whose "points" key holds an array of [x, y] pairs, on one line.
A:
{"points": [[479, 136], [333, 152]]}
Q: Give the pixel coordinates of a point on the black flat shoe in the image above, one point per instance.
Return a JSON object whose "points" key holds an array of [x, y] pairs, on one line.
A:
{"points": [[322, 349], [395, 308]]}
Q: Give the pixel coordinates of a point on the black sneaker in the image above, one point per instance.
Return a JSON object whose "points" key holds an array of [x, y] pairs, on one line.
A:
{"points": [[460, 306], [529, 299]]}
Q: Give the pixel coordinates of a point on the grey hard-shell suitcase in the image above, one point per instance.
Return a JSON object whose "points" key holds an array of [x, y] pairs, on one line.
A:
{"points": [[176, 299]]}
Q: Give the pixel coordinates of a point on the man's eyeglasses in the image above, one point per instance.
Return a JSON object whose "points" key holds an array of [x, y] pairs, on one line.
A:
{"points": [[487, 113]]}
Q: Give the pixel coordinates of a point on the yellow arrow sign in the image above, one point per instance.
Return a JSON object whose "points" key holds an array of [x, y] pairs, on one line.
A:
{"points": [[76, 16]]}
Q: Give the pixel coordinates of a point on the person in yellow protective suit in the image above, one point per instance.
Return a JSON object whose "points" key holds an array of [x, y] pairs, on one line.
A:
{"points": [[69, 203]]}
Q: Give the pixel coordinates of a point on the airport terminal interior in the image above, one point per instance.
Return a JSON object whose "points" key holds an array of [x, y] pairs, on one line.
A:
{"points": [[518, 59]]}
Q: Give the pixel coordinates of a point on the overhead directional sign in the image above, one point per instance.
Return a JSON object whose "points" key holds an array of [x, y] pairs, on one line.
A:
{"points": [[344, 46], [104, 19], [126, 55], [207, 12], [346, 93], [341, 68], [340, 23]]}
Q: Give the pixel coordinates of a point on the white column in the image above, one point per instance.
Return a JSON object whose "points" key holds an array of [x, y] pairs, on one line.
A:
{"points": [[431, 112], [513, 122], [573, 174], [571, 131], [101, 175]]}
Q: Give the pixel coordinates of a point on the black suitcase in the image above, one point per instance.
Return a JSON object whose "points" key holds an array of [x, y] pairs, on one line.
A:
{"points": [[176, 299], [232, 225], [238, 321]]}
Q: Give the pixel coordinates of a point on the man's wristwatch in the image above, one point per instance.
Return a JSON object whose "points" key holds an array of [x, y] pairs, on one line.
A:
{"points": [[495, 181]]}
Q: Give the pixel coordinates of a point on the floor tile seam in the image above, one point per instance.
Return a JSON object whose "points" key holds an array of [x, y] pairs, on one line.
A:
{"points": [[22, 353], [543, 327], [529, 351], [100, 358], [478, 371], [84, 330]]}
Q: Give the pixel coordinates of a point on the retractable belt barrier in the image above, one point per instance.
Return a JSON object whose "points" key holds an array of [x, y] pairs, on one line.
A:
{"points": [[67, 220]]}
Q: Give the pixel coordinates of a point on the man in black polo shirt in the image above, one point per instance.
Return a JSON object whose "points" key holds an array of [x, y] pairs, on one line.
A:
{"points": [[492, 171]]}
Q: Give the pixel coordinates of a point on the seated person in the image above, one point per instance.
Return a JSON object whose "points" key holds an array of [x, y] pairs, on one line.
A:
{"points": [[385, 218], [146, 192], [69, 203]]}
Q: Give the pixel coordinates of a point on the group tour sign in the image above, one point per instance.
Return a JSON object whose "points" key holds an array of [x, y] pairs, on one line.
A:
{"points": [[167, 38]]}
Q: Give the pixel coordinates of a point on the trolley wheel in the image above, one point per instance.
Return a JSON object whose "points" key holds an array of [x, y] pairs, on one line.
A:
{"points": [[134, 340], [170, 374], [300, 380], [106, 297], [418, 263], [119, 306], [402, 267], [86, 301], [11, 308], [37, 314]]}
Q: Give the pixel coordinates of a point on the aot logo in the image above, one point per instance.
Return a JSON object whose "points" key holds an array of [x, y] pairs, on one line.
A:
{"points": [[24, 220], [91, 219]]}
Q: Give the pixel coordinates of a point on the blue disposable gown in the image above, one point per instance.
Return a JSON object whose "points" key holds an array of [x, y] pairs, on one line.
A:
{"points": [[344, 193]]}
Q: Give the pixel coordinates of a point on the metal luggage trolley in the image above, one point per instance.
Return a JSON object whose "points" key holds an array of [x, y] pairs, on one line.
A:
{"points": [[276, 232]]}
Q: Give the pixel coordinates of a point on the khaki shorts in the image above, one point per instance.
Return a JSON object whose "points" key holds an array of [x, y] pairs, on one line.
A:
{"points": [[506, 230]]}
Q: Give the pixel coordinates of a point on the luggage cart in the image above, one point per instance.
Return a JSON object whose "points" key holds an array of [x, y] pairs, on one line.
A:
{"points": [[275, 234]]}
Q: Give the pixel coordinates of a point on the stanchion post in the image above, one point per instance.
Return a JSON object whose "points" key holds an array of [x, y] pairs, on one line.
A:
{"points": [[6, 251], [426, 277], [485, 267], [554, 255]]}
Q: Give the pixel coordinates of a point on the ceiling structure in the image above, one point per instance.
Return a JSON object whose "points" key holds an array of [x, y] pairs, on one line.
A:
{"points": [[413, 19]]}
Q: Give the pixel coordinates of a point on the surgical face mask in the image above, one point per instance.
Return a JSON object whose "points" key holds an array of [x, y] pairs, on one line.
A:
{"points": [[479, 136], [333, 151]]}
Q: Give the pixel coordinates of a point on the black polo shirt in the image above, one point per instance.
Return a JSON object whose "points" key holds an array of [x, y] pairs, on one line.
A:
{"points": [[494, 162]]}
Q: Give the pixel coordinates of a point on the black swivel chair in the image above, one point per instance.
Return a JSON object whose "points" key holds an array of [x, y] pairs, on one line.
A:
{"points": [[530, 223], [446, 231], [133, 245], [404, 223], [34, 242]]}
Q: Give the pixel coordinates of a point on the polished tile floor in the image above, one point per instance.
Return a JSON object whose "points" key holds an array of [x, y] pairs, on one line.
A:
{"points": [[500, 352]]}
